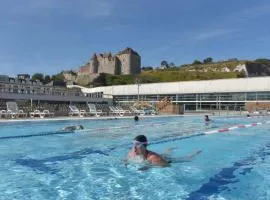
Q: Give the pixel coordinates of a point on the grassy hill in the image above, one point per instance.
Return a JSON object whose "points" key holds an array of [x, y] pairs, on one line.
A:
{"points": [[190, 72]]}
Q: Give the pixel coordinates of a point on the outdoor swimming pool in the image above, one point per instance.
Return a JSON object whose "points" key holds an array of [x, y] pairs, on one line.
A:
{"points": [[88, 164]]}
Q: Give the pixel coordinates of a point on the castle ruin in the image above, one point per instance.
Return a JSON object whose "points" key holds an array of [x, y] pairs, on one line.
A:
{"points": [[125, 62]]}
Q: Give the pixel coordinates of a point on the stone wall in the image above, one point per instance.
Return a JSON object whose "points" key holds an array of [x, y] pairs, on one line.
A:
{"points": [[135, 64], [124, 63], [107, 66]]}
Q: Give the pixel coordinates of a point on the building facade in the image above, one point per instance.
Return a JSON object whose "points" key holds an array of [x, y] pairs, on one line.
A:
{"points": [[223, 94], [125, 62], [23, 88]]}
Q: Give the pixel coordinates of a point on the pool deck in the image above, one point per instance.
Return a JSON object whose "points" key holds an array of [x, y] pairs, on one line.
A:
{"points": [[116, 117], [84, 118]]}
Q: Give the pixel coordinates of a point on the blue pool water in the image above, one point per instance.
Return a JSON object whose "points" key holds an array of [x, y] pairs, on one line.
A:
{"points": [[38, 164]]}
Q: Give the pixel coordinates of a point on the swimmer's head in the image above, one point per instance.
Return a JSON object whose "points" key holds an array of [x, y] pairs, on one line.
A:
{"points": [[139, 145], [136, 118], [206, 117], [141, 139], [81, 126]]}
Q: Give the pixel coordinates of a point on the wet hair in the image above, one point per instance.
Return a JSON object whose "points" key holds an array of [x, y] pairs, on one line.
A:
{"points": [[141, 138], [81, 126], [206, 118], [136, 118]]}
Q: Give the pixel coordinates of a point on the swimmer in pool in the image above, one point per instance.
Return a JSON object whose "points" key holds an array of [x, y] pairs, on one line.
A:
{"points": [[73, 128], [206, 118], [140, 153], [136, 118]]}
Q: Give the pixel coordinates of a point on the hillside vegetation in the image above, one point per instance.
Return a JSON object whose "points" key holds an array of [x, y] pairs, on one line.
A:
{"points": [[184, 73], [198, 70]]}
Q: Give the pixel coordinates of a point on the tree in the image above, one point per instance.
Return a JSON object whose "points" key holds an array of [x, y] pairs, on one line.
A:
{"points": [[58, 77], [172, 64], [149, 68], [47, 79], [102, 80], [164, 63], [208, 60], [38, 76], [197, 62]]}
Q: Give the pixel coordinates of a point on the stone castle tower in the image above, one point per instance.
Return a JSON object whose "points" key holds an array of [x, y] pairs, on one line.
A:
{"points": [[125, 62]]}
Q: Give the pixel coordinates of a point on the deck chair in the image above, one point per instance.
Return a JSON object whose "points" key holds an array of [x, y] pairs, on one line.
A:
{"points": [[3, 114], [47, 113], [137, 111], [74, 111], [93, 110], [37, 113], [12, 109], [22, 114], [116, 111], [121, 110]]}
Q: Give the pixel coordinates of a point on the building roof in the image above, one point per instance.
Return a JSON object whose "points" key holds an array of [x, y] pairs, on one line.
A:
{"points": [[128, 50], [189, 87]]}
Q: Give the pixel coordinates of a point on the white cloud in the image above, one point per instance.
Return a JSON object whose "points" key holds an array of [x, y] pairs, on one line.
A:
{"points": [[211, 34]]}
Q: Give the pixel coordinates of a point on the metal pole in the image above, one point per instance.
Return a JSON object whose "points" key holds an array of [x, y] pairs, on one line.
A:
{"points": [[138, 92], [138, 85]]}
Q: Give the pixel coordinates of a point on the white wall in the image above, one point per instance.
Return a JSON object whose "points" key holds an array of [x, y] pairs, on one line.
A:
{"points": [[211, 86]]}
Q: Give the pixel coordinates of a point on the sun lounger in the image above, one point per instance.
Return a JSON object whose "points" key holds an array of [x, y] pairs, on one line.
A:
{"points": [[3, 114], [93, 110], [12, 109], [37, 113], [47, 113], [116, 111], [137, 111], [73, 111], [22, 113], [121, 110]]}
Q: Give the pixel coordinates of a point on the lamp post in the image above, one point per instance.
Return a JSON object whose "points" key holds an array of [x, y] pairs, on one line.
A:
{"points": [[138, 82]]}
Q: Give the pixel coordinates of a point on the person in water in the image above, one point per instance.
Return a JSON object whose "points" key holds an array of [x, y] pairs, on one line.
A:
{"points": [[73, 128], [206, 118], [139, 152], [136, 118]]}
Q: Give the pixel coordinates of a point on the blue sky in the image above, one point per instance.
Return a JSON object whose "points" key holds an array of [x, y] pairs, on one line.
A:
{"points": [[52, 35]]}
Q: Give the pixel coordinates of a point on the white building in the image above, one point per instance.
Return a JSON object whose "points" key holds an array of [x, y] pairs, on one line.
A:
{"points": [[195, 95]]}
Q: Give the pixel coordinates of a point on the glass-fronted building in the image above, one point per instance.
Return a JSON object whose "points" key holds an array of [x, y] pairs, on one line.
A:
{"points": [[223, 94]]}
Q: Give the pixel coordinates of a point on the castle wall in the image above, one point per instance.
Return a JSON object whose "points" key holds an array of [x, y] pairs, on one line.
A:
{"points": [[135, 64], [125, 63], [107, 66], [93, 66]]}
